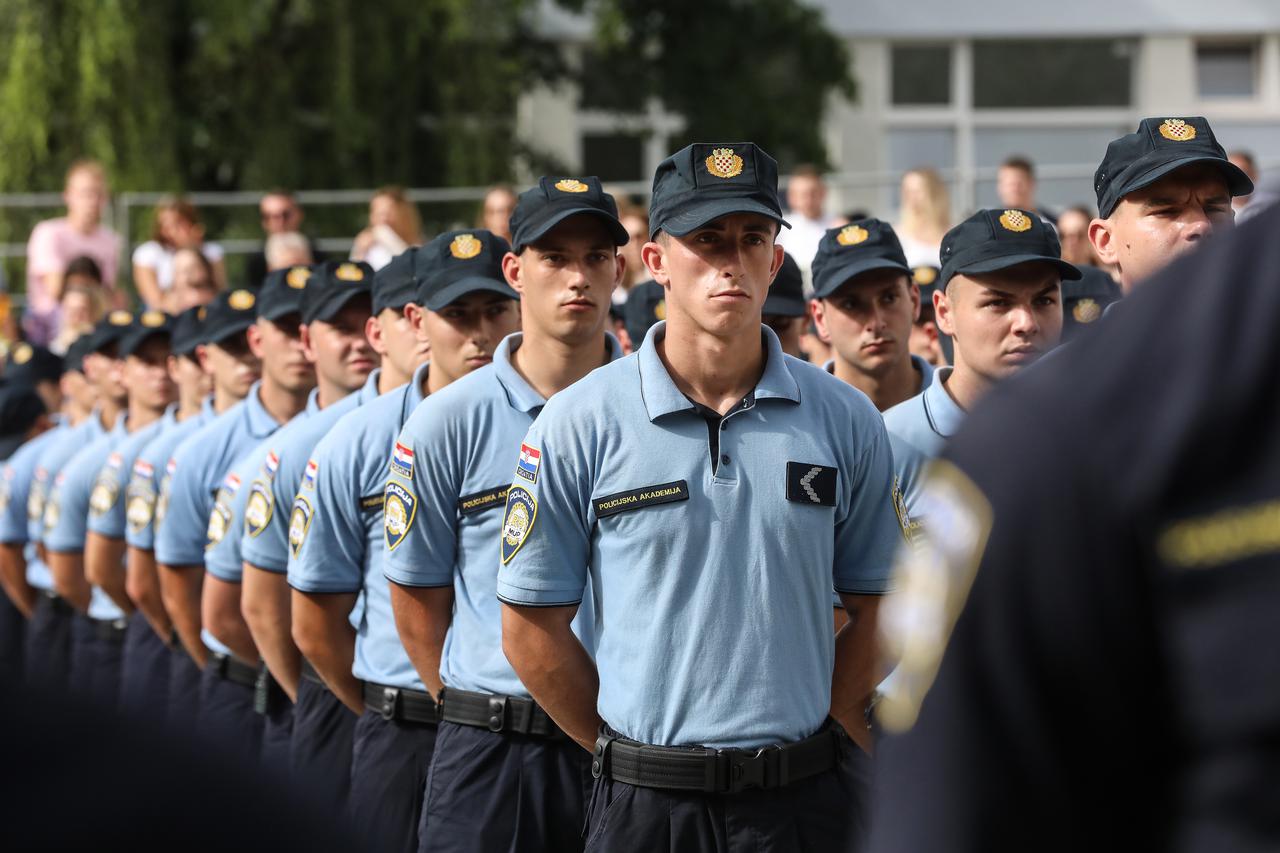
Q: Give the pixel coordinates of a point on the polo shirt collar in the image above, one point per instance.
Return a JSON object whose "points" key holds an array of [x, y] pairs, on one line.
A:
{"points": [[662, 397], [369, 389], [313, 402], [944, 414], [257, 418], [520, 394]]}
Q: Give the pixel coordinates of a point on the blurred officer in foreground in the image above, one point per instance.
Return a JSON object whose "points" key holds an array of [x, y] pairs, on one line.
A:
{"points": [[785, 310], [504, 776], [646, 305], [706, 492], [1111, 674], [453, 294], [37, 369], [864, 302], [1161, 189]]}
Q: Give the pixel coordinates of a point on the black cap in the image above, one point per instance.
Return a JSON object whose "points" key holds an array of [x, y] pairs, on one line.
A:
{"points": [[992, 240], [786, 294], [708, 180], [396, 284], [925, 275], [334, 284], [188, 330], [28, 364], [229, 315], [110, 330], [20, 408], [850, 250], [646, 305], [73, 361], [282, 292], [554, 200], [146, 325], [1155, 149], [1084, 301], [460, 262]]}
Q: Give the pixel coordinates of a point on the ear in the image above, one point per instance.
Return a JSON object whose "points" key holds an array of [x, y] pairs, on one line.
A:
{"points": [[942, 310], [304, 335], [653, 255], [417, 317], [778, 254], [511, 272], [619, 274], [202, 359], [1103, 239], [254, 335], [373, 332], [818, 312]]}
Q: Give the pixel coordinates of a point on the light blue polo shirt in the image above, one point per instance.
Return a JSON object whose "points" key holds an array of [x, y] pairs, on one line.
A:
{"points": [[149, 472], [56, 454], [341, 543], [465, 440], [924, 368], [918, 430], [66, 510], [269, 530], [712, 588], [15, 488], [107, 503]]}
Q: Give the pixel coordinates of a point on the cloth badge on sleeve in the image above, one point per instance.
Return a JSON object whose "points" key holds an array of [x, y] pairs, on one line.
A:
{"points": [[257, 511], [106, 488], [309, 475], [530, 460], [270, 465], [140, 499], [220, 517], [299, 523], [372, 503], [35, 497], [4, 491], [811, 484], [637, 498], [52, 512], [481, 501], [402, 461], [398, 510], [522, 511]]}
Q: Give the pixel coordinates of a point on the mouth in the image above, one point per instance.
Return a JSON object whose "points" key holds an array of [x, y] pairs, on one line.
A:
{"points": [[479, 360], [876, 347], [1022, 354], [733, 296], [363, 364], [580, 304]]}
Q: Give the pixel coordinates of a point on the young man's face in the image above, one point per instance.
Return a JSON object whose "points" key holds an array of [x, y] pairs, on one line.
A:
{"points": [[106, 373], [1015, 187], [85, 194], [464, 333], [718, 276], [284, 361], [232, 365], [339, 349], [146, 374], [868, 320], [400, 346], [279, 214], [1002, 321], [1152, 226], [185, 372], [566, 279]]}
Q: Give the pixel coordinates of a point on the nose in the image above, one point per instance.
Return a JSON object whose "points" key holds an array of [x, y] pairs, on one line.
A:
{"points": [[1197, 225], [1024, 321]]}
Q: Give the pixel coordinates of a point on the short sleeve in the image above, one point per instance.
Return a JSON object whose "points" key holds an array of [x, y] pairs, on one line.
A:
{"points": [[545, 541], [140, 505], [266, 546], [66, 512], [148, 255], [909, 465], [181, 535], [107, 501], [331, 549], [222, 557], [13, 505], [868, 534]]}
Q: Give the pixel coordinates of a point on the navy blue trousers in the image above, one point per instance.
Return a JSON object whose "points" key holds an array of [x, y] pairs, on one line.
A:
{"points": [[95, 663], [48, 644], [320, 752], [13, 629], [144, 679], [226, 718], [389, 763], [183, 695]]}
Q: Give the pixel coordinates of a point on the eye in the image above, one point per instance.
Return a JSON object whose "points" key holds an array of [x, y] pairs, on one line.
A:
{"points": [[889, 298], [754, 240]]}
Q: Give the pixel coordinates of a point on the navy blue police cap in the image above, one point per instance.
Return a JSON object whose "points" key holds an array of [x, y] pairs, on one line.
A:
{"points": [[109, 330], [29, 364], [188, 331], [332, 286], [993, 240], [282, 292], [850, 250], [146, 325], [1156, 148], [1084, 301], [458, 263], [20, 408], [396, 284], [646, 305], [786, 294], [553, 200], [229, 315], [707, 180], [73, 361]]}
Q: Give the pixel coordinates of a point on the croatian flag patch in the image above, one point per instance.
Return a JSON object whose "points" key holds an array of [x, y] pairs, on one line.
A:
{"points": [[271, 464], [309, 475], [530, 459], [402, 461]]}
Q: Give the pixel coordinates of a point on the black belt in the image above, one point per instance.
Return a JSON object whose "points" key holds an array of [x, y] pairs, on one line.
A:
{"points": [[310, 674], [109, 630], [713, 771], [268, 695], [497, 713], [59, 604], [401, 704], [232, 669]]}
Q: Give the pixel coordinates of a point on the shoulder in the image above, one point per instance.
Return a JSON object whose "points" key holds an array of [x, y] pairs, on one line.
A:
{"points": [[908, 419], [148, 253], [832, 397], [197, 443], [609, 388], [457, 403]]}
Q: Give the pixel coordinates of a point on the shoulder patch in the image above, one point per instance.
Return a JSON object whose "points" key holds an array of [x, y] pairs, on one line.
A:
{"points": [[402, 461], [811, 484], [530, 461], [522, 512], [399, 508], [220, 516], [106, 489], [257, 511], [638, 498], [481, 501], [270, 465], [299, 523], [908, 526], [140, 499], [35, 501], [309, 475]]}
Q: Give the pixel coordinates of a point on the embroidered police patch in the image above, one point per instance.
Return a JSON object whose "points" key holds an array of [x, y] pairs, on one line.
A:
{"points": [[530, 461], [811, 484], [522, 511], [35, 497], [219, 520], [258, 509], [637, 498], [309, 475], [139, 503], [398, 510], [481, 501], [105, 491], [299, 523], [402, 461], [908, 526]]}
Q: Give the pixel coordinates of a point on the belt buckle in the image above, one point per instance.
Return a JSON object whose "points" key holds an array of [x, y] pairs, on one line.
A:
{"points": [[497, 713], [389, 697], [746, 769]]}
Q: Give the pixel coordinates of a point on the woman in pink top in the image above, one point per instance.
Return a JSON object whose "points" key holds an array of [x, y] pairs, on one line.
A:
{"points": [[55, 242]]}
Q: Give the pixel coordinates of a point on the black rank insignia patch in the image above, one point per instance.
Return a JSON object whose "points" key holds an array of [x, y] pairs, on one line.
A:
{"points": [[811, 484]]}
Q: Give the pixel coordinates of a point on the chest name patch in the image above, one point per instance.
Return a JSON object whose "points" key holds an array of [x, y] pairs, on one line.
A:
{"points": [[639, 498], [811, 484], [481, 501]]}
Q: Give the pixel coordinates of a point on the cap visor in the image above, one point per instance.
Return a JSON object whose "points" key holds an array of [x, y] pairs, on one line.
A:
{"points": [[700, 213], [1238, 182], [460, 288], [330, 308], [130, 345], [283, 309], [616, 230], [784, 306], [839, 277], [1069, 272], [229, 332]]}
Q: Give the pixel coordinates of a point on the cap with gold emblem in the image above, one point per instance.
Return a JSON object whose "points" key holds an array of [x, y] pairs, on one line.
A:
{"points": [[20, 408], [110, 330], [646, 305], [29, 364], [395, 285], [333, 284], [1156, 148], [555, 199], [786, 294], [188, 330], [146, 325], [458, 263], [847, 251], [282, 292], [1084, 301], [992, 240], [707, 180], [229, 315]]}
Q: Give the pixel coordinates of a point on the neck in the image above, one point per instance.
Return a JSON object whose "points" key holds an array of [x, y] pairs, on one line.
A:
{"points": [[391, 378], [224, 399], [900, 382], [83, 224], [141, 416], [716, 372], [280, 402], [330, 392], [77, 415], [189, 403], [108, 411], [551, 365], [964, 385]]}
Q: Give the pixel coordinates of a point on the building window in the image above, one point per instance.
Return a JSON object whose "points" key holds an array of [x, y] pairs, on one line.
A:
{"points": [[1227, 70], [613, 156], [921, 74], [1052, 73]]}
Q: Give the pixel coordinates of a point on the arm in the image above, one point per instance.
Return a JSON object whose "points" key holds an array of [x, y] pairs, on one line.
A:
{"points": [[68, 577], [220, 611], [266, 608], [104, 567], [423, 616], [13, 576], [180, 590], [855, 675], [555, 667], [144, 278], [322, 629], [142, 584]]}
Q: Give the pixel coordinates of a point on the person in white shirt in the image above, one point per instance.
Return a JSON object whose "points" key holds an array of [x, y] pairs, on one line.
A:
{"points": [[177, 226], [806, 200]]}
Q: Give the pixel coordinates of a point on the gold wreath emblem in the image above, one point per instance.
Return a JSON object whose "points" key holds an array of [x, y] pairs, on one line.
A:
{"points": [[201, 313], [660, 310], [349, 272], [924, 276], [852, 235], [241, 300], [1177, 130], [120, 318], [465, 247], [297, 277], [1015, 220], [723, 163], [23, 353], [1086, 311], [152, 319], [571, 185]]}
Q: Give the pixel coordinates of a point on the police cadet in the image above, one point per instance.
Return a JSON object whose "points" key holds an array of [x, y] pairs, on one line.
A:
{"points": [[785, 310], [47, 650], [1000, 301], [646, 305], [712, 490], [38, 369], [1111, 566], [504, 776], [97, 628], [864, 303], [198, 495], [336, 309], [1161, 190], [455, 297]]}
